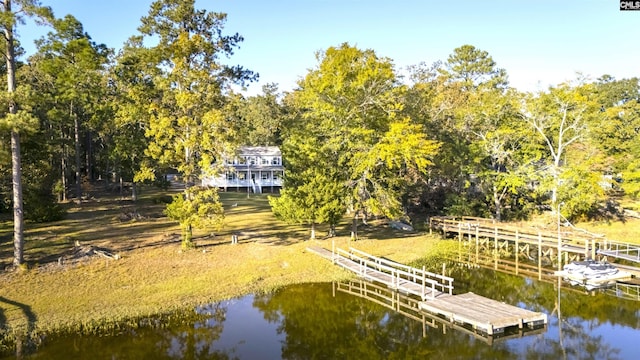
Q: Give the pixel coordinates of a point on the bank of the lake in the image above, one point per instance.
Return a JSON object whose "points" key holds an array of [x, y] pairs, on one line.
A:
{"points": [[97, 293], [153, 276]]}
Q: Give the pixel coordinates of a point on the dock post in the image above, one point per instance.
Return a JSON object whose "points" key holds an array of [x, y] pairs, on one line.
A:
{"points": [[459, 250], [559, 249], [424, 280], [495, 247], [477, 245], [539, 256], [586, 249], [517, 251]]}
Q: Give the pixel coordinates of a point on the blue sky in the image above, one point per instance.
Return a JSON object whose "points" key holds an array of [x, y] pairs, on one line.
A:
{"points": [[538, 42]]}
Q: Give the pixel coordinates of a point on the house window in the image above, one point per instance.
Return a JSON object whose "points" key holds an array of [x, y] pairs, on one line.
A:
{"points": [[275, 161], [264, 161], [265, 176], [276, 176], [231, 176], [252, 160], [242, 160], [242, 176]]}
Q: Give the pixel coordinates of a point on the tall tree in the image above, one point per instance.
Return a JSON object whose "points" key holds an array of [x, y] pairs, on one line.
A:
{"points": [[313, 192], [188, 127], [76, 66], [474, 68], [487, 116], [560, 117], [260, 118], [17, 120], [617, 131], [432, 101], [133, 91], [466, 104], [351, 103]]}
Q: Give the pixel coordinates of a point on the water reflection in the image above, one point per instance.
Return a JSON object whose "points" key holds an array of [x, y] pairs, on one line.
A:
{"points": [[409, 308], [187, 335], [319, 321], [584, 324]]}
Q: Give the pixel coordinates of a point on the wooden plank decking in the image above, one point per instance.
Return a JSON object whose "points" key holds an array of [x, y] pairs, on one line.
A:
{"points": [[435, 291], [410, 308], [482, 313]]}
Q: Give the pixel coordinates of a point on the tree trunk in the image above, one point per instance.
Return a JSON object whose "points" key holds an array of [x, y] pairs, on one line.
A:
{"points": [[134, 191], [88, 157], [313, 230], [64, 166], [496, 203], [61, 195], [16, 166], [18, 219], [187, 238], [332, 230], [76, 130], [354, 227]]}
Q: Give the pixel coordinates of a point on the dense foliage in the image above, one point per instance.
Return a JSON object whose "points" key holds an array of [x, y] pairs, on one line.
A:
{"points": [[452, 137]]}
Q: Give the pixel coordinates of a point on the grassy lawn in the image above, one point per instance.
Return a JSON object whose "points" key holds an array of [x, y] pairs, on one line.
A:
{"points": [[59, 291], [627, 231]]}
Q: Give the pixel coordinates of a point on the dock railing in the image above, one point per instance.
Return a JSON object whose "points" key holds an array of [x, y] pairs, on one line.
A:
{"points": [[620, 250], [398, 276], [472, 227]]}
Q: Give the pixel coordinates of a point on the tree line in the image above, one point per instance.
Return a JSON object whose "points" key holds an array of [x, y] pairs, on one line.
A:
{"points": [[357, 137], [453, 138]]}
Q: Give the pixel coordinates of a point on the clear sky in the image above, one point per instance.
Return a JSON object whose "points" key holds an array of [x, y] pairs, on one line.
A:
{"points": [[538, 42]]}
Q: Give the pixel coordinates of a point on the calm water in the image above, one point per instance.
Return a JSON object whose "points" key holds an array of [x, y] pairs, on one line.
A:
{"points": [[316, 321]]}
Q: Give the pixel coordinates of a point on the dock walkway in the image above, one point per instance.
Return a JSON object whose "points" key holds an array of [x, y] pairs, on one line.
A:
{"points": [[407, 279], [435, 292], [487, 231], [620, 250]]}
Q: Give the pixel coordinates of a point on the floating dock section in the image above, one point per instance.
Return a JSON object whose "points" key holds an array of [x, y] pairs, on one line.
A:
{"points": [[481, 313]]}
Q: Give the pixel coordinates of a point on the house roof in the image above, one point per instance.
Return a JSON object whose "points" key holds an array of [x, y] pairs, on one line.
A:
{"points": [[259, 151]]}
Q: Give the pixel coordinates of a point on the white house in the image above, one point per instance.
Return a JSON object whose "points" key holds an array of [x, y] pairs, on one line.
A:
{"points": [[255, 168]]}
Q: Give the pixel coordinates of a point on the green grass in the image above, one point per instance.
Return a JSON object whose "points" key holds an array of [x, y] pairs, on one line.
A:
{"points": [[154, 276], [625, 231]]}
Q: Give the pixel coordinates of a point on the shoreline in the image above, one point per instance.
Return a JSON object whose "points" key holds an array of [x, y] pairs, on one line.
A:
{"points": [[101, 294]]}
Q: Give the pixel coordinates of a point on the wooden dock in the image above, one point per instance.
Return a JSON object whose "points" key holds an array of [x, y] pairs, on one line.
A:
{"points": [[488, 233], [397, 276], [436, 293], [410, 308]]}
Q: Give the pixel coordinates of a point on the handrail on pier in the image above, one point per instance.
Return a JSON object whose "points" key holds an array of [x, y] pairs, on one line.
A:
{"points": [[399, 274]]}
